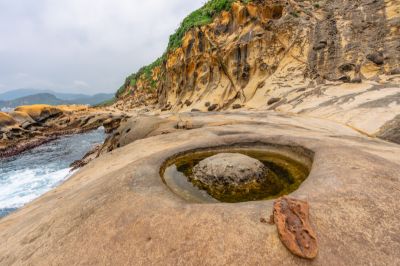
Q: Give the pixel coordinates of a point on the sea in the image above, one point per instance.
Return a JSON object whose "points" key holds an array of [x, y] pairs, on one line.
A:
{"points": [[30, 174]]}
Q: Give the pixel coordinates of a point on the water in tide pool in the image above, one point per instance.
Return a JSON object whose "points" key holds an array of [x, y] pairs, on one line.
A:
{"points": [[30, 174]]}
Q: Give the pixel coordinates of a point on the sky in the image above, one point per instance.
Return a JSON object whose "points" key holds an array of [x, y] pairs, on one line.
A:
{"points": [[85, 46]]}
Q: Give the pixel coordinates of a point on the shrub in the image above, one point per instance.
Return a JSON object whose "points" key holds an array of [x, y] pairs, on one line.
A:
{"points": [[106, 103], [200, 17]]}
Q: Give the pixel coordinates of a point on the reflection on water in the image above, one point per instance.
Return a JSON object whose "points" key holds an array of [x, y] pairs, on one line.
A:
{"points": [[285, 175]]}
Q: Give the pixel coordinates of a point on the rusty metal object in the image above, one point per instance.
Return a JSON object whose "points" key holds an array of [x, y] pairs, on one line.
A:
{"points": [[291, 217]]}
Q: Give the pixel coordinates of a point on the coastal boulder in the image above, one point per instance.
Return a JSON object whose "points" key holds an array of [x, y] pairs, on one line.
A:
{"points": [[39, 112], [229, 173]]}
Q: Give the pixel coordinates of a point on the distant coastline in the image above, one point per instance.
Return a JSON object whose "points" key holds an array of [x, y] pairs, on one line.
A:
{"points": [[19, 97]]}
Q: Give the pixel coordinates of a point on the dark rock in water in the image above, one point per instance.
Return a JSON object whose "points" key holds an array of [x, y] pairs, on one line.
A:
{"points": [[195, 110], [273, 100], [376, 58], [229, 172], [212, 107], [86, 158], [291, 217], [237, 106]]}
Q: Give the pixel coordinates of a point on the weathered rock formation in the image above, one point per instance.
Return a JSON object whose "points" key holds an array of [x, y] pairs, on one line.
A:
{"points": [[338, 60], [229, 173], [6, 120], [29, 126], [266, 47]]}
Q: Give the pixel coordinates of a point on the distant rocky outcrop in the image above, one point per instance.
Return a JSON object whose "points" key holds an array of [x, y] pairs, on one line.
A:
{"points": [[30, 126]]}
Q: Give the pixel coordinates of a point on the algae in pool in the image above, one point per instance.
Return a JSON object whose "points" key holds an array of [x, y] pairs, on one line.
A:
{"points": [[287, 175]]}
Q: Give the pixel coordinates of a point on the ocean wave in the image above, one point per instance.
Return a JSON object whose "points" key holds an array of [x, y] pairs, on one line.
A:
{"points": [[29, 175], [21, 187]]}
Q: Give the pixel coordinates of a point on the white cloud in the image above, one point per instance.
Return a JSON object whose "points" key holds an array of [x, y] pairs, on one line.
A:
{"points": [[80, 84], [98, 41]]}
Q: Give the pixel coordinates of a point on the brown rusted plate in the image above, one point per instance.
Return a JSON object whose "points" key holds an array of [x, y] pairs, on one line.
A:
{"points": [[291, 217]]}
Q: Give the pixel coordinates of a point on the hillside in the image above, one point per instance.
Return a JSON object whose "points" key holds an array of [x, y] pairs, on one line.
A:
{"points": [[42, 98], [305, 57], [47, 98], [75, 97], [19, 93]]}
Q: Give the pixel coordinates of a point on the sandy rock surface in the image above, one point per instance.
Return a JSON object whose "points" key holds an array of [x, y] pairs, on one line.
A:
{"points": [[117, 210]]}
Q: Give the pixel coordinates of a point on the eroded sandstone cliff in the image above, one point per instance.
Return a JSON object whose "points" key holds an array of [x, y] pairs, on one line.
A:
{"points": [[255, 50], [333, 59]]}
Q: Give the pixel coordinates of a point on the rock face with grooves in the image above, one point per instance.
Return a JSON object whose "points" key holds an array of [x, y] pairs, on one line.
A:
{"points": [[229, 172], [291, 217], [260, 49]]}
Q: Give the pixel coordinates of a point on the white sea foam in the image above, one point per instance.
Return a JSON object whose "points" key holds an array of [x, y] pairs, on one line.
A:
{"points": [[21, 187], [6, 110], [27, 176]]}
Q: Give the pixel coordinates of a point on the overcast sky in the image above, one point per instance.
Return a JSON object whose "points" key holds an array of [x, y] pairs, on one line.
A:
{"points": [[85, 46]]}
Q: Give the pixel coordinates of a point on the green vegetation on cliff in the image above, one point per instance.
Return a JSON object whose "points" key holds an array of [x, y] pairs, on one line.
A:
{"points": [[200, 17], [144, 72]]}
